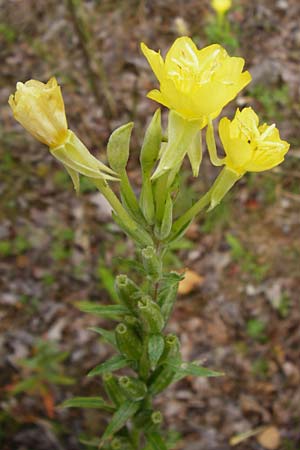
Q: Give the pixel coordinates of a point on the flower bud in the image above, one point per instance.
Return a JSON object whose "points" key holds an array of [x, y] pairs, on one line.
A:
{"points": [[221, 6], [133, 388], [128, 342], [121, 443], [171, 349], [112, 388], [152, 264], [128, 292], [150, 315], [167, 298], [161, 379], [40, 109], [157, 417]]}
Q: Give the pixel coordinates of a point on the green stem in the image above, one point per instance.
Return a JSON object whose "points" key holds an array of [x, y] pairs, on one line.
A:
{"points": [[192, 212], [115, 203], [130, 198]]}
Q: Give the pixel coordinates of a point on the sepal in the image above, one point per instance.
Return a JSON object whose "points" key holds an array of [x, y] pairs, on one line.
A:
{"points": [[74, 155]]}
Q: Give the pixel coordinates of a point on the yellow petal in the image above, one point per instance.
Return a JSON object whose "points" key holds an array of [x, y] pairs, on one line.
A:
{"points": [[155, 60], [183, 53]]}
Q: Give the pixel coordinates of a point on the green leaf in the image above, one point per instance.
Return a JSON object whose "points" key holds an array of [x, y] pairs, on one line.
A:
{"points": [[156, 441], [151, 144], [87, 402], [59, 379], [146, 200], [26, 385], [107, 279], [167, 221], [156, 346], [109, 311], [177, 234], [115, 363], [108, 336], [193, 369], [119, 419], [90, 442], [118, 147]]}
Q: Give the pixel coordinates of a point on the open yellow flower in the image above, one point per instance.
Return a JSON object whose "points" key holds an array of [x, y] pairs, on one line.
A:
{"points": [[221, 6], [39, 107], [196, 83], [248, 146]]}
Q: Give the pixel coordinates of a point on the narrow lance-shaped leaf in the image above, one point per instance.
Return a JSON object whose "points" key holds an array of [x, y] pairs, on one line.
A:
{"points": [[147, 200], [119, 419], [155, 349], [87, 402], [151, 145], [115, 363], [108, 336], [192, 369], [107, 279], [109, 311], [164, 229], [156, 441]]}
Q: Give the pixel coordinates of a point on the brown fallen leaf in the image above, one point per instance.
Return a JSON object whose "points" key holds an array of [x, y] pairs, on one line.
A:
{"points": [[191, 281], [269, 438]]}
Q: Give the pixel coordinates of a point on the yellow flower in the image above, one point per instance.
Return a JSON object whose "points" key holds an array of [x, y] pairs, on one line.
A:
{"points": [[196, 83], [248, 146], [39, 108], [221, 6]]}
